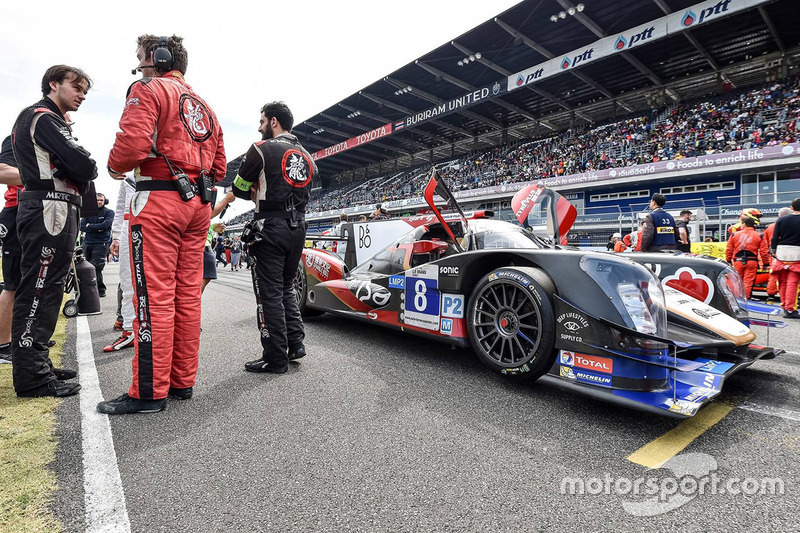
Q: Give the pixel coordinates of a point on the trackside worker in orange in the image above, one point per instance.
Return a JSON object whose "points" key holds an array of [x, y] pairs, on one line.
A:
{"points": [[745, 250], [772, 284]]}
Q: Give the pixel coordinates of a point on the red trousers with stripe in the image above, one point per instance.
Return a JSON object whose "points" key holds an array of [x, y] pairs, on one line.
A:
{"points": [[167, 237], [788, 275], [748, 273]]}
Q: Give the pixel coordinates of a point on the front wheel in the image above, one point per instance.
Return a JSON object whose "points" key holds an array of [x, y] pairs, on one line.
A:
{"points": [[511, 322]]}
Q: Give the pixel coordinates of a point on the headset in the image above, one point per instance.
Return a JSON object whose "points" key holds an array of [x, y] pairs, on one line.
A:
{"points": [[105, 200], [162, 57]]}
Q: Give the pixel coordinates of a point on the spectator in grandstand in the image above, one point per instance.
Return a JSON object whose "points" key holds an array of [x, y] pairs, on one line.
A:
{"points": [[684, 235], [658, 232], [772, 284], [745, 251], [786, 262]]}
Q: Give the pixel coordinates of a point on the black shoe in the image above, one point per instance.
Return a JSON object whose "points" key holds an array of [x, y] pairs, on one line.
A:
{"points": [[297, 353], [56, 388], [180, 394], [50, 344], [260, 366], [64, 373], [125, 405], [792, 314]]}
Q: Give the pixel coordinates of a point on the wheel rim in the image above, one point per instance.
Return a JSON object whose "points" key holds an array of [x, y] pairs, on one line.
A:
{"points": [[299, 286], [508, 323]]}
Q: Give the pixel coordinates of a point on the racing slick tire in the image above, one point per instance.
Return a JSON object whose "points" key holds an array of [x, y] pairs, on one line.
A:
{"points": [[511, 322], [301, 292]]}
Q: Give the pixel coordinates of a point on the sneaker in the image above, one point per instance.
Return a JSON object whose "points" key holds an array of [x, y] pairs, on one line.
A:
{"points": [[63, 373], [124, 341], [791, 314], [55, 388], [126, 405], [261, 366], [118, 325], [297, 353], [181, 394]]}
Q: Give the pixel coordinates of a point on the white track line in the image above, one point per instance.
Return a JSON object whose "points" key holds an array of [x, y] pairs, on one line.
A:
{"points": [[104, 497], [770, 410]]}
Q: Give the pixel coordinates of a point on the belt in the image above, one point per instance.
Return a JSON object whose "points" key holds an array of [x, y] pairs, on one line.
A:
{"points": [[51, 195], [162, 185], [286, 215]]}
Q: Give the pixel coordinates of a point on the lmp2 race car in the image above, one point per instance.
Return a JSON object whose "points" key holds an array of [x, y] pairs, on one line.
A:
{"points": [[659, 332]]}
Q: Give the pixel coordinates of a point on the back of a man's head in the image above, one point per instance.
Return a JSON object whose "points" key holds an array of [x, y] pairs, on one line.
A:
{"points": [[281, 112], [796, 205], [180, 57], [749, 222], [659, 199]]}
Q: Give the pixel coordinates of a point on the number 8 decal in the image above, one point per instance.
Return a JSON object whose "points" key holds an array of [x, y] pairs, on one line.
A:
{"points": [[420, 300]]}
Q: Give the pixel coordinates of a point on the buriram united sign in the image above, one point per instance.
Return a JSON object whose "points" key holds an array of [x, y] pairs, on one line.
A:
{"points": [[645, 34], [691, 17]]}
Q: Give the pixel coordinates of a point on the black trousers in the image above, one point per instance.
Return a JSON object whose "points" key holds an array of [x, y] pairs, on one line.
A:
{"points": [[47, 231], [97, 254], [275, 260]]}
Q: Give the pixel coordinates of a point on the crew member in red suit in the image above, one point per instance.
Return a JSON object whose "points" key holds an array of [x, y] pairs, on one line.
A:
{"points": [[786, 262], [772, 284], [745, 250], [172, 140]]}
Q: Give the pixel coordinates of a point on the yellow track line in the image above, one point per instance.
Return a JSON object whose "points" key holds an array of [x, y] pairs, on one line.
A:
{"points": [[657, 452]]}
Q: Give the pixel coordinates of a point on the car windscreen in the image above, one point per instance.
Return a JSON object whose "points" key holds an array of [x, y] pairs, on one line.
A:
{"points": [[504, 237]]}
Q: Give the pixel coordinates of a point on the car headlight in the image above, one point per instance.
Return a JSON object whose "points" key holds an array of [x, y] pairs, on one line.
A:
{"points": [[730, 284], [634, 291], [635, 303]]}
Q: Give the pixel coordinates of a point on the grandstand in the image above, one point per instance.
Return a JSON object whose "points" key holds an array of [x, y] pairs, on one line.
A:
{"points": [[608, 104]]}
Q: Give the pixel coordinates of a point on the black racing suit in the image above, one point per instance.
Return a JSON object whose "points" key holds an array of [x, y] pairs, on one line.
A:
{"points": [[282, 171], [54, 170]]}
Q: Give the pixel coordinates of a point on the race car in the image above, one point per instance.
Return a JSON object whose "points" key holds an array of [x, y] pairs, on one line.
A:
{"points": [[659, 332]]}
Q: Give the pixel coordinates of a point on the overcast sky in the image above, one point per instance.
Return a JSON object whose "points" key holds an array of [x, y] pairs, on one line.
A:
{"points": [[242, 54]]}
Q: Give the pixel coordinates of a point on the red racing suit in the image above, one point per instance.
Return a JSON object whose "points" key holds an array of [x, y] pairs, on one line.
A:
{"points": [[772, 284], [746, 249], [166, 234]]}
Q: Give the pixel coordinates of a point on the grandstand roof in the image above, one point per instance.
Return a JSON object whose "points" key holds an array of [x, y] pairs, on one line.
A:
{"points": [[740, 49]]}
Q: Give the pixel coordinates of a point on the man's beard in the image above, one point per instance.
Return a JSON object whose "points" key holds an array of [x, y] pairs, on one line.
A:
{"points": [[268, 134]]}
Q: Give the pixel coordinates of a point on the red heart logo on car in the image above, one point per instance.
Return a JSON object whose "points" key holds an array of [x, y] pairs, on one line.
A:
{"points": [[690, 282]]}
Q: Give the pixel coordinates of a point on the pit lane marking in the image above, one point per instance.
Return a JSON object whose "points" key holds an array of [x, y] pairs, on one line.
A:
{"points": [[104, 497], [771, 411], [658, 451]]}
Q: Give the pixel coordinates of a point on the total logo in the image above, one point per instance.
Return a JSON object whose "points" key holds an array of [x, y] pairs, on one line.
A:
{"points": [[690, 18], [593, 362], [623, 42], [566, 358]]}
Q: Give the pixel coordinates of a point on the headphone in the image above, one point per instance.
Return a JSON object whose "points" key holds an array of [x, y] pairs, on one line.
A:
{"points": [[162, 57], [105, 200]]}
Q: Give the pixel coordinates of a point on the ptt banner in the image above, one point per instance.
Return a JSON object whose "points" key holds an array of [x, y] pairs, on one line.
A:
{"points": [[640, 35]]}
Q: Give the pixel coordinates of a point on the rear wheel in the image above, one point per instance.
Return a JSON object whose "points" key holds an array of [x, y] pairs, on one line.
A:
{"points": [[301, 292], [511, 322]]}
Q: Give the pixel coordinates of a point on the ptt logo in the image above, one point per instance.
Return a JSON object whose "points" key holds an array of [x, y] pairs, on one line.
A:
{"points": [[689, 18], [525, 80], [623, 42], [580, 58]]}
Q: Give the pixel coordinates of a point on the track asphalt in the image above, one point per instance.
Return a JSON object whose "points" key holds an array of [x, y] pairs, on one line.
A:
{"points": [[381, 431]]}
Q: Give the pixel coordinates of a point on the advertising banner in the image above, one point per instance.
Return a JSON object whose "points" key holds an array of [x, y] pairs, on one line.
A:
{"points": [[640, 35], [352, 142]]}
